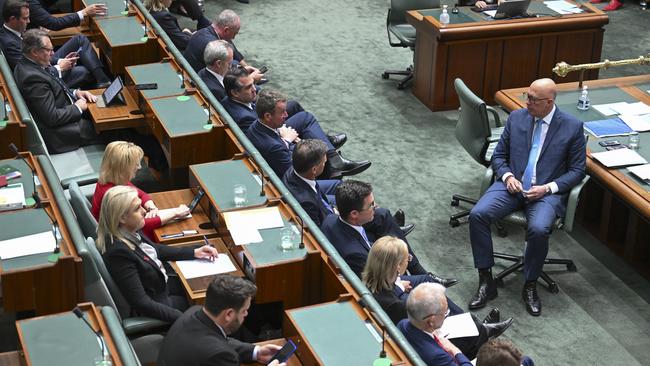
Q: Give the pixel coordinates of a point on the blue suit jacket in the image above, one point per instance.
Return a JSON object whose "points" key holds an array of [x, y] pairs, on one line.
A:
{"points": [[40, 17], [169, 24], [308, 199], [213, 84], [12, 46], [241, 114], [428, 349], [562, 159], [196, 46], [348, 242], [271, 146]]}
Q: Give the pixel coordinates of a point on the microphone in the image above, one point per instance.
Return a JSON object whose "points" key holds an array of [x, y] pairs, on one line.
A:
{"points": [[17, 155], [55, 230], [382, 360], [80, 314], [208, 106], [145, 29], [183, 81], [126, 6], [4, 108], [258, 171], [302, 233]]}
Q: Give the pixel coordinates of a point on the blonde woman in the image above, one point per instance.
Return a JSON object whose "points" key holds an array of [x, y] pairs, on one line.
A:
{"points": [[120, 164], [135, 263], [159, 9]]}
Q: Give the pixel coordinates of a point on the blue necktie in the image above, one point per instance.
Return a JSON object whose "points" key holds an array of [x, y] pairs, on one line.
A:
{"points": [[363, 234], [323, 199], [527, 180]]}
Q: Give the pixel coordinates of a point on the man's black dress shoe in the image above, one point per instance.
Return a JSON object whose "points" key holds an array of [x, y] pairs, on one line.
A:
{"points": [[487, 290], [493, 317], [407, 229], [243, 1], [447, 282], [532, 301], [494, 330], [346, 167], [400, 217], [337, 139]]}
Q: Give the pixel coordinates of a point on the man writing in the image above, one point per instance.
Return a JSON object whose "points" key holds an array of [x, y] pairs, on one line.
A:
{"points": [[539, 158]]}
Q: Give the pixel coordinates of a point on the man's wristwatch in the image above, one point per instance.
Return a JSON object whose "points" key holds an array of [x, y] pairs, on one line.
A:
{"points": [[548, 189]]}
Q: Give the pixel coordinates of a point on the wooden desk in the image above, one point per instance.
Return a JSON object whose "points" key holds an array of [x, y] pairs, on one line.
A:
{"points": [[292, 361], [15, 358], [171, 199], [116, 116], [618, 212], [337, 333], [11, 128], [33, 282], [64, 339], [196, 287], [490, 55]]}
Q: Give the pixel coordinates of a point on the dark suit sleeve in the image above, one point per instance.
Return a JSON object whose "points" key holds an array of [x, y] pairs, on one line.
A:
{"points": [[40, 100], [356, 262], [12, 54], [40, 17], [238, 352], [500, 157], [169, 253], [392, 305], [124, 271], [170, 25], [244, 350], [313, 211], [279, 160], [576, 161]]}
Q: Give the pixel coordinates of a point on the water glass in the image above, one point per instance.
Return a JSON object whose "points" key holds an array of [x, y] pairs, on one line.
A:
{"points": [[239, 195], [633, 140], [287, 238], [103, 361]]}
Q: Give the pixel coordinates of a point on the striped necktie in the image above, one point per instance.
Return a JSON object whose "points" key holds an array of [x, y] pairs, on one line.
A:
{"points": [[51, 70]]}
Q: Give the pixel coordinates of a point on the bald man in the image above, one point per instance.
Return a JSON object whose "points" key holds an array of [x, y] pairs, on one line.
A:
{"points": [[539, 158]]}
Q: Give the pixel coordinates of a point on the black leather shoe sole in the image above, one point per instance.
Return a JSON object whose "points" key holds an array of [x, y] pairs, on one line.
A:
{"points": [[506, 324], [356, 170], [407, 230]]}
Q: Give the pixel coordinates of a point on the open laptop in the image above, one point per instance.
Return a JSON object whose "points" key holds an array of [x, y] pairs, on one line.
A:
{"points": [[112, 94], [512, 8]]}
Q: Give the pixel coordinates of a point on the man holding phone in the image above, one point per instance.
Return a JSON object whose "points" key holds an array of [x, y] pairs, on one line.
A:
{"points": [[75, 61], [201, 335]]}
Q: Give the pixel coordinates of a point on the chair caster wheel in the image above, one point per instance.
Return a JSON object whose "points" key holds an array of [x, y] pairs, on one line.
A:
{"points": [[385, 75], [401, 87], [502, 232], [454, 202], [499, 282], [571, 267], [553, 288], [454, 223]]}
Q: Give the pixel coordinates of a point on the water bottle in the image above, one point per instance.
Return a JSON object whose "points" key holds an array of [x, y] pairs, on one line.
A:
{"points": [[644, 4], [583, 102], [444, 16]]}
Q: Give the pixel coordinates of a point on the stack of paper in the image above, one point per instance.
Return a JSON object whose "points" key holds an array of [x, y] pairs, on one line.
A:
{"points": [[458, 326], [202, 267], [641, 171], [12, 197], [244, 225], [26, 245], [611, 109], [620, 157], [639, 123], [563, 7]]}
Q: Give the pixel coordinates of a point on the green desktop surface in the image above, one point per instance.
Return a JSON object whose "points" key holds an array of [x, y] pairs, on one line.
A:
{"points": [[269, 252], [26, 178], [122, 31], [180, 117], [14, 226], [61, 339], [466, 15], [163, 74], [336, 334], [115, 7], [219, 178], [644, 150]]}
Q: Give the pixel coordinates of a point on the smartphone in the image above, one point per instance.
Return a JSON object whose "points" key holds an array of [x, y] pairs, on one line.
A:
{"points": [[285, 352], [263, 69], [608, 143], [196, 199]]}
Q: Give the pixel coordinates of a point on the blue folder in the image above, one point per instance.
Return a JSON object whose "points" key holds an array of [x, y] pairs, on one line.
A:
{"points": [[607, 127]]}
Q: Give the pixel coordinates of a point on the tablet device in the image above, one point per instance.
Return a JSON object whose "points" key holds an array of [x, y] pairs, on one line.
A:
{"points": [[196, 199], [112, 94], [285, 352]]}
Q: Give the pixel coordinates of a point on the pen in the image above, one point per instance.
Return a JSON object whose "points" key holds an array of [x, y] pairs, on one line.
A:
{"points": [[171, 236], [205, 239]]}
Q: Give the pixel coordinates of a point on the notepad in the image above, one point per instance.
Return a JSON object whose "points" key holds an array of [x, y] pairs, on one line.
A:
{"points": [[618, 158], [607, 127], [202, 267], [640, 123], [458, 326], [641, 171], [12, 197], [27, 245]]}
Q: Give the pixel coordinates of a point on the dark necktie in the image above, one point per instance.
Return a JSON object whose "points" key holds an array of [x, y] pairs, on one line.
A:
{"points": [[50, 70], [323, 199]]}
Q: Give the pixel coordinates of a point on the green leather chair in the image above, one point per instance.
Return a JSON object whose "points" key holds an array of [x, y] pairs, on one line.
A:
{"points": [[82, 208], [397, 27], [124, 348], [478, 134]]}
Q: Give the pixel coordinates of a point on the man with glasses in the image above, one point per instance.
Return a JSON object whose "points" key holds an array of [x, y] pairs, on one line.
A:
{"points": [[427, 308], [538, 160]]}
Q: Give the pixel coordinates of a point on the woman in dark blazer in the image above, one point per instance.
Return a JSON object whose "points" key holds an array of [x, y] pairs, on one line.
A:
{"points": [[168, 22], [135, 263]]}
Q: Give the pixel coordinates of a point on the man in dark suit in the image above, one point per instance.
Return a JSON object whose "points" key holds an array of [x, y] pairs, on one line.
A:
{"points": [[359, 223], [168, 22], [88, 72], [218, 57], [275, 135], [41, 17], [200, 336], [539, 158]]}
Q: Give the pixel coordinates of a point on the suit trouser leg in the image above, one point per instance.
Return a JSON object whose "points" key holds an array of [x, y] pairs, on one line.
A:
{"points": [[496, 203], [87, 57], [308, 127], [293, 107], [540, 216]]}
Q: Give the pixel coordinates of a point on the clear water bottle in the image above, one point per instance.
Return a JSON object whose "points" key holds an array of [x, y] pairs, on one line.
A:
{"points": [[444, 16], [583, 102]]}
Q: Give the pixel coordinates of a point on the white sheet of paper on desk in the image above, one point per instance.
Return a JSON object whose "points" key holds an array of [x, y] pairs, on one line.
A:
{"points": [[641, 171], [609, 109], [620, 157], [562, 7], [639, 123], [259, 218], [243, 235], [27, 245], [202, 267], [491, 13], [632, 108], [457, 326]]}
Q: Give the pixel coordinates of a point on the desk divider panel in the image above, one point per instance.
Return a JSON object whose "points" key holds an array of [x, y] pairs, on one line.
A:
{"points": [[218, 179]]}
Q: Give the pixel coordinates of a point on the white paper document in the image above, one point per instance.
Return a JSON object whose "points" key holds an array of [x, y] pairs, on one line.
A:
{"points": [[641, 171], [491, 13], [632, 108], [458, 326], [202, 267], [260, 218], [243, 235], [609, 109], [27, 245], [640, 123], [620, 157], [563, 7]]}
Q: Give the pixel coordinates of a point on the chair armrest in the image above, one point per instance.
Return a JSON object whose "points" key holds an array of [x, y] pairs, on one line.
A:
{"points": [[572, 204], [495, 116], [143, 325], [487, 180]]}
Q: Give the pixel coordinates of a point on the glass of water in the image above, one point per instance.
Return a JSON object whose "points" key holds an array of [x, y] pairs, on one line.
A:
{"points": [[239, 195], [287, 238], [633, 140]]}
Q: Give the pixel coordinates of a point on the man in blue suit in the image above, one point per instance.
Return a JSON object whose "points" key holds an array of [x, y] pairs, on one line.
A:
{"points": [[218, 56], [539, 158], [275, 140]]}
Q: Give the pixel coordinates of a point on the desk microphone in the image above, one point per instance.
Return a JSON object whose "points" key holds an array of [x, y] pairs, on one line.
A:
{"points": [[382, 360], [258, 171], [126, 6], [183, 80], [4, 108], [302, 233], [208, 106], [17, 155], [80, 314], [55, 229], [145, 29]]}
